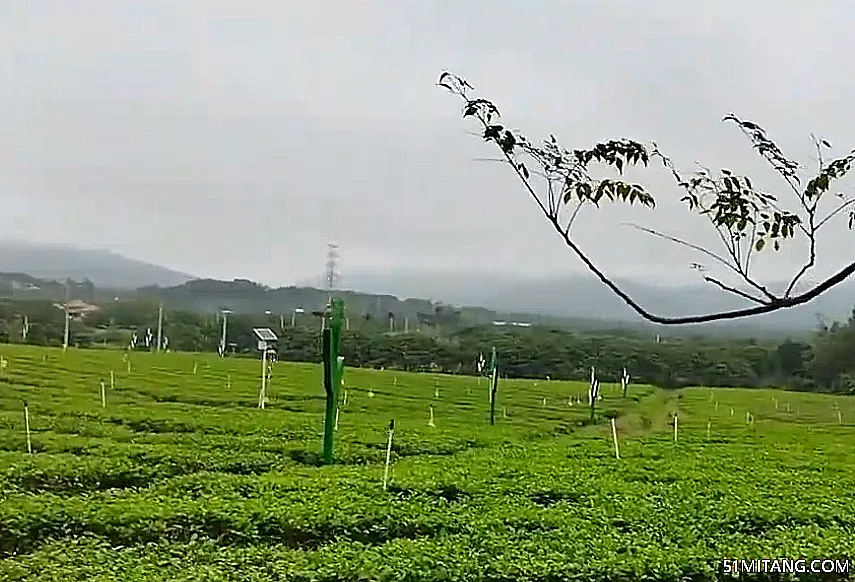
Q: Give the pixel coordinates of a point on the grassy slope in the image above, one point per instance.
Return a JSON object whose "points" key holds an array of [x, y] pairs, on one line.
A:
{"points": [[181, 477]]}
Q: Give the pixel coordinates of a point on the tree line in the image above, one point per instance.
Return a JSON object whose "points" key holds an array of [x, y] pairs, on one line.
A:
{"points": [[825, 361]]}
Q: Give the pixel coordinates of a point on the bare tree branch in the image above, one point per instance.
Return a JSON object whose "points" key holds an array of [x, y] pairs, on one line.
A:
{"points": [[698, 248], [573, 217], [718, 258], [735, 291], [846, 204]]}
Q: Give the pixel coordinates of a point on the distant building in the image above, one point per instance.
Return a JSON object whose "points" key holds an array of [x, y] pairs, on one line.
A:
{"points": [[77, 309]]}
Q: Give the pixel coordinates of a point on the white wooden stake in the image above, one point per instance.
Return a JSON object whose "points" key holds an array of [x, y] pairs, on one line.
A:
{"points": [[716, 405], [337, 410], [229, 381], [709, 427], [504, 412], [436, 393], [129, 365], [431, 422], [839, 418], [112, 380], [544, 401], [675, 428], [388, 455], [731, 411], [395, 382], [345, 398], [614, 438], [27, 429], [195, 367], [103, 395]]}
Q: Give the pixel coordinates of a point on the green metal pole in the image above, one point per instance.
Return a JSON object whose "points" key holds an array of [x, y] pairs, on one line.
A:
{"points": [[333, 372], [494, 369], [329, 414]]}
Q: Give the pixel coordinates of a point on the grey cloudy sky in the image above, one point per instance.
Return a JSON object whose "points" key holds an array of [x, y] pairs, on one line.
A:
{"points": [[235, 138]]}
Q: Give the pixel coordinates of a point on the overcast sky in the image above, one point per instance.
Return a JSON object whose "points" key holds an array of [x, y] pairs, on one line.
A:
{"points": [[235, 138]]}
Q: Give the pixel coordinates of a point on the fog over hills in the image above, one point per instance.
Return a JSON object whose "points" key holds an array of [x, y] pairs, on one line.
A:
{"points": [[584, 296], [104, 268], [571, 297]]}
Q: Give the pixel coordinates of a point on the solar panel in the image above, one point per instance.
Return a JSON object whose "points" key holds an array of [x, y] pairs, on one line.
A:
{"points": [[265, 334]]}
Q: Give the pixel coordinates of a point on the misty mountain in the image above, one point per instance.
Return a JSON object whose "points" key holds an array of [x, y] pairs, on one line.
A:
{"points": [[586, 297], [105, 269]]}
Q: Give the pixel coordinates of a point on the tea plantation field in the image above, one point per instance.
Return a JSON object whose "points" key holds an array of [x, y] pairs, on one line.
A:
{"points": [[181, 477]]}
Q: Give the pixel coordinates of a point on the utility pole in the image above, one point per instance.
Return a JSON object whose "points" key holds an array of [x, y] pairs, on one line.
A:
{"points": [[65, 310], [223, 339], [159, 325]]}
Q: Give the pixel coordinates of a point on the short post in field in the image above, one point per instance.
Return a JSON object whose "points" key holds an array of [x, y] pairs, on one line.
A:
{"points": [[103, 395], [431, 422], [624, 382], [675, 427], [112, 381], [27, 429], [709, 427], [337, 410], [388, 454], [593, 392], [614, 438]]}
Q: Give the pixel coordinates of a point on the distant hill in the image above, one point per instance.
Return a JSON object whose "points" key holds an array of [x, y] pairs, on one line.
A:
{"points": [[585, 297], [584, 308], [579, 301], [105, 269]]}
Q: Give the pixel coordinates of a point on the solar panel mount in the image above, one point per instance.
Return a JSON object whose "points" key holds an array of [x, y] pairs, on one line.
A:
{"points": [[264, 334]]}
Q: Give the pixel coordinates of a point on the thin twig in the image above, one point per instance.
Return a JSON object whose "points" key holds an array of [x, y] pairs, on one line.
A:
{"points": [[835, 212], [573, 216], [735, 291]]}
